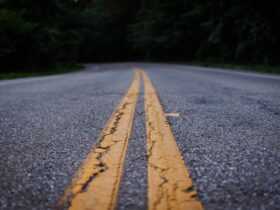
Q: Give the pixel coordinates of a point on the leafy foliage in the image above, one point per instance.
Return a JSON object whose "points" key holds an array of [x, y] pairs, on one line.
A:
{"points": [[38, 34], [45, 33]]}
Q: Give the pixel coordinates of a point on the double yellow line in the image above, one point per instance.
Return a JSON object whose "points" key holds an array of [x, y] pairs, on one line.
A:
{"points": [[97, 182]]}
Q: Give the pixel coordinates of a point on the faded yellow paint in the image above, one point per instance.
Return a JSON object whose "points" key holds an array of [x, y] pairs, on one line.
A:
{"points": [[169, 183], [97, 182]]}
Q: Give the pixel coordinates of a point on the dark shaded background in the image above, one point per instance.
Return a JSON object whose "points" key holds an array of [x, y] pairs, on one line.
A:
{"points": [[47, 33]]}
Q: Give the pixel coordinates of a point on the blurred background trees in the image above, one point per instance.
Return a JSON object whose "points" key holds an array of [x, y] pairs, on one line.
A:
{"points": [[46, 33]]}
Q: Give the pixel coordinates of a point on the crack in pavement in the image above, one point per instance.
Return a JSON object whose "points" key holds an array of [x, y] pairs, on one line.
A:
{"points": [[169, 183], [104, 163]]}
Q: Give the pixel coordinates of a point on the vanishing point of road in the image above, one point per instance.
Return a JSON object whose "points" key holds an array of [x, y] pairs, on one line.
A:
{"points": [[141, 136]]}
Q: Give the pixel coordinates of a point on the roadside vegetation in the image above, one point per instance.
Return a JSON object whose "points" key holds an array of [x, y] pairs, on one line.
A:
{"points": [[47, 35], [230, 66], [11, 74]]}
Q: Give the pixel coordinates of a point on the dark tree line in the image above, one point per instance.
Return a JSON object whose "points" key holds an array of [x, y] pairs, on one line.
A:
{"points": [[46, 33]]}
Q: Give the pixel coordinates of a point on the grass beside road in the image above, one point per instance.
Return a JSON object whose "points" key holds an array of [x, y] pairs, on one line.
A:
{"points": [[40, 72], [253, 68]]}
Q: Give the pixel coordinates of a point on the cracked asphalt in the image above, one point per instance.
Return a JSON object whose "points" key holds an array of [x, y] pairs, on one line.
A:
{"points": [[228, 132]]}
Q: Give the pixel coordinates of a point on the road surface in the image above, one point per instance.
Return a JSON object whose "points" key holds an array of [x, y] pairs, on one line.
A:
{"points": [[226, 125]]}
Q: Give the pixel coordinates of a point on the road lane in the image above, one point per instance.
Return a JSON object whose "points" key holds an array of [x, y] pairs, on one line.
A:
{"points": [[228, 132], [47, 127]]}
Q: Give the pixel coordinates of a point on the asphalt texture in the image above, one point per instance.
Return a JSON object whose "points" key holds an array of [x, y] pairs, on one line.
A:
{"points": [[228, 132]]}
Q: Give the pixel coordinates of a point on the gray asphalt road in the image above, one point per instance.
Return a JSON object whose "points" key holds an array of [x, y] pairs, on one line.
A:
{"points": [[228, 132]]}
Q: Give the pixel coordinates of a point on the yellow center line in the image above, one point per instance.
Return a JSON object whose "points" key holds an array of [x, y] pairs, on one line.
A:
{"points": [[97, 181], [169, 182]]}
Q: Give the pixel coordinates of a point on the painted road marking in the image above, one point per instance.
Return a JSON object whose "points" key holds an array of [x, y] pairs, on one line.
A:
{"points": [[97, 181], [169, 182], [172, 114]]}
